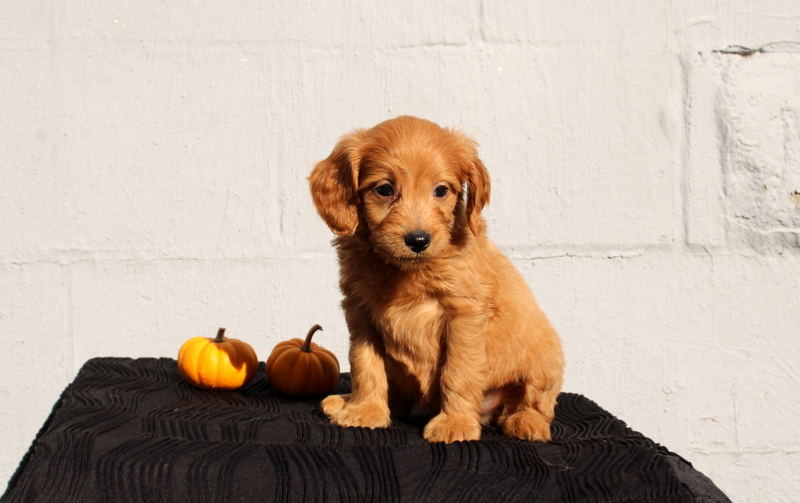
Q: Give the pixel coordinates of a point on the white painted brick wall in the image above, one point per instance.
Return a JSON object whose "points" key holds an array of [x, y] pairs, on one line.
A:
{"points": [[153, 160]]}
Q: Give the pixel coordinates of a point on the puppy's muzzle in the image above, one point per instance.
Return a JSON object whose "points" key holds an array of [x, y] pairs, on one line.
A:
{"points": [[418, 241]]}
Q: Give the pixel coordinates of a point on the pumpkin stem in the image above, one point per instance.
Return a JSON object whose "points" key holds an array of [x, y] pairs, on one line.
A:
{"points": [[307, 343], [220, 335]]}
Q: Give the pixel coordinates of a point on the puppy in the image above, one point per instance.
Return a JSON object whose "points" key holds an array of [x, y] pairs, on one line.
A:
{"points": [[438, 316]]}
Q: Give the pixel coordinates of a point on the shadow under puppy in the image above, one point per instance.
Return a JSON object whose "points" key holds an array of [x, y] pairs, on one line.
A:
{"points": [[438, 316]]}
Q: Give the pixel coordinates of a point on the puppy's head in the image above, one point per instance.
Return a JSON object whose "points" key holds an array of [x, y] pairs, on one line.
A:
{"points": [[408, 184]]}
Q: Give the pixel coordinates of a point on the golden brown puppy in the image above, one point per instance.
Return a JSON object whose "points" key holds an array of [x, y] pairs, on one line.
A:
{"points": [[438, 317]]}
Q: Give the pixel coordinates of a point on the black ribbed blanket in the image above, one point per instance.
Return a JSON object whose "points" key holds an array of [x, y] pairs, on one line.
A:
{"points": [[132, 430]]}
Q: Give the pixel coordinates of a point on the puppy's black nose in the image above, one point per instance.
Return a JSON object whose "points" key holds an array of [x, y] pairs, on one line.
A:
{"points": [[418, 241]]}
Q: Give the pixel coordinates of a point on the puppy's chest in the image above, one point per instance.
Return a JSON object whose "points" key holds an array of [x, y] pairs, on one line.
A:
{"points": [[412, 321]]}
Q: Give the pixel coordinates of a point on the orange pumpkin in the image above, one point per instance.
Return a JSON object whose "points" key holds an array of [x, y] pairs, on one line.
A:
{"points": [[303, 368], [219, 363]]}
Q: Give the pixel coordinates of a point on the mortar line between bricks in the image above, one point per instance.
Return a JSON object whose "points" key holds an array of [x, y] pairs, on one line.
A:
{"points": [[71, 262]]}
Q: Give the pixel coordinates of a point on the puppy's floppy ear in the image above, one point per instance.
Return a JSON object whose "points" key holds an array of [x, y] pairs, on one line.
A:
{"points": [[478, 187], [334, 185]]}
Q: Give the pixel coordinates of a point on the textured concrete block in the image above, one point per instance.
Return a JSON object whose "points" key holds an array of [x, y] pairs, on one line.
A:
{"points": [[332, 25], [192, 165], [149, 308], [754, 477], [640, 26], [572, 23], [37, 360], [696, 352], [761, 115]]}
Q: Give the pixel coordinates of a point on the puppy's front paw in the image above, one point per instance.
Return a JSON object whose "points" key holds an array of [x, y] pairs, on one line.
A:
{"points": [[332, 404], [449, 428], [527, 425], [366, 415]]}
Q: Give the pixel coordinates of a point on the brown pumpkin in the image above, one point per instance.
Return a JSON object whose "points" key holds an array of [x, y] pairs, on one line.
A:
{"points": [[218, 363], [302, 368]]}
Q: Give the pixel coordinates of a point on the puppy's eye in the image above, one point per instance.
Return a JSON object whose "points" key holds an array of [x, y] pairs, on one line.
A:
{"points": [[385, 190], [440, 191]]}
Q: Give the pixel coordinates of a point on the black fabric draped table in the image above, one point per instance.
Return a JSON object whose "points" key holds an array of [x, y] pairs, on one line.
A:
{"points": [[132, 430]]}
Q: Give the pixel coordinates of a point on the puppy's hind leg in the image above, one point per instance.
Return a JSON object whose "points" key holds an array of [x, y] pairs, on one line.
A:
{"points": [[530, 418]]}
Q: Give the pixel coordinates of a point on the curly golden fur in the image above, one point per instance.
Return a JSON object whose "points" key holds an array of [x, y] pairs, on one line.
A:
{"points": [[438, 316]]}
